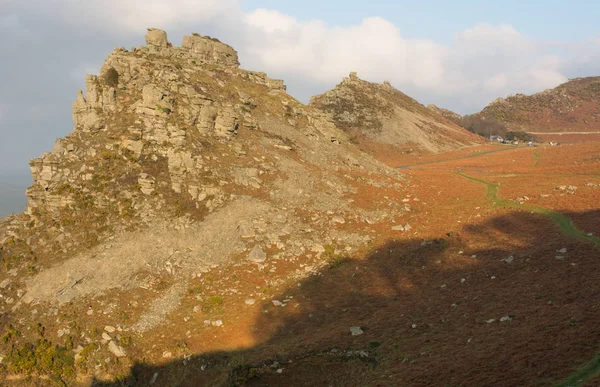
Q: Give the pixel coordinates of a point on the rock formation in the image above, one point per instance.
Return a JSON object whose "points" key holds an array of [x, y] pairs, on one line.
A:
{"points": [[379, 114]]}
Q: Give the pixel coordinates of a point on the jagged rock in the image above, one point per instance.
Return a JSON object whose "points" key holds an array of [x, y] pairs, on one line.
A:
{"points": [[86, 108], [226, 122], [246, 231], [379, 113], [116, 350], [157, 38], [209, 50], [155, 101]]}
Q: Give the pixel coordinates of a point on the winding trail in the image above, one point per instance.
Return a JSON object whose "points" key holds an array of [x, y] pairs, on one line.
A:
{"points": [[566, 226], [564, 223]]}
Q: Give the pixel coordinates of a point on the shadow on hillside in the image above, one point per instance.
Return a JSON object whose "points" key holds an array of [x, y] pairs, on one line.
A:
{"points": [[452, 311]]}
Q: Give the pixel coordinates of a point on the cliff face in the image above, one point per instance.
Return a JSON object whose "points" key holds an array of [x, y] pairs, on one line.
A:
{"points": [[370, 112], [573, 106]]}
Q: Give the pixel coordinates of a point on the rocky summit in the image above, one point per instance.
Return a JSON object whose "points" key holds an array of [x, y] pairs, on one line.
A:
{"points": [[377, 116]]}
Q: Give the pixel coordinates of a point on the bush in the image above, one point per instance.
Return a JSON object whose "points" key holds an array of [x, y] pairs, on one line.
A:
{"points": [[521, 136], [111, 77]]}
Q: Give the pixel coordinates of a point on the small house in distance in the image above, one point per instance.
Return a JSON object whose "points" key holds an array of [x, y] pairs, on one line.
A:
{"points": [[496, 139]]}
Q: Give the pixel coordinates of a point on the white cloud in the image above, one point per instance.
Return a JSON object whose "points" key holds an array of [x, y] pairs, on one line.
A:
{"points": [[496, 82], [480, 64], [126, 16], [374, 48]]}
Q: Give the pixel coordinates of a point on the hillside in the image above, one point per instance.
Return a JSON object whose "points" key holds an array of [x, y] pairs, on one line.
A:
{"points": [[180, 164], [446, 113], [377, 117], [573, 106]]}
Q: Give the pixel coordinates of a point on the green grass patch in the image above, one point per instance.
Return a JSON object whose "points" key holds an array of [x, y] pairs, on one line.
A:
{"points": [[564, 223], [212, 303], [582, 375]]}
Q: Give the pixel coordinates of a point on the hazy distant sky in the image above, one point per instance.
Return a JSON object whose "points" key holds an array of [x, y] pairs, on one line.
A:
{"points": [[456, 54]]}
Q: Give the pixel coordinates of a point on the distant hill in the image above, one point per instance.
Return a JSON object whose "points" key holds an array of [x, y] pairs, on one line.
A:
{"points": [[376, 115], [573, 106]]}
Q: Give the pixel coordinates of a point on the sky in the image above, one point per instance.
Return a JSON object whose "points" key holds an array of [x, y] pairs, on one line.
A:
{"points": [[459, 55]]}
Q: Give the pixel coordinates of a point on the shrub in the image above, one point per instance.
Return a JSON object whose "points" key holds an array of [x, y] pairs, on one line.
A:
{"points": [[521, 136], [111, 77]]}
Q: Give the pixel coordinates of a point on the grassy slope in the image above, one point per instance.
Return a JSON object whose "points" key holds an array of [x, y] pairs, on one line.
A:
{"points": [[566, 226]]}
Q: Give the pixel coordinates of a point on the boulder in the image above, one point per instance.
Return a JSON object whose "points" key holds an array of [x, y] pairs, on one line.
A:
{"points": [[257, 255], [157, 38], [116, 350]]}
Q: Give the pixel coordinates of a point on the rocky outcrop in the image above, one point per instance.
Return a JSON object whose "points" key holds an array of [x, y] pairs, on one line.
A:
{"points": [[86, 108], [378, 113], [210, 50], [157, 38], [150, 132]]}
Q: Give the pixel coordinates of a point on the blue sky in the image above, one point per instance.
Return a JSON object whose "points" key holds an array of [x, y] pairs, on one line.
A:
{"points": [[440, 20]]}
